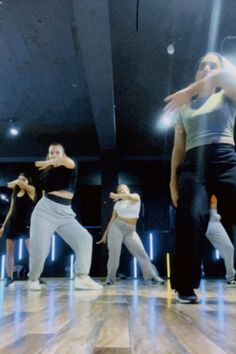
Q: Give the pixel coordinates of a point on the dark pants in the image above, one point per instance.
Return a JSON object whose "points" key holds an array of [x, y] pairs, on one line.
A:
{"points": [[206, 170]]}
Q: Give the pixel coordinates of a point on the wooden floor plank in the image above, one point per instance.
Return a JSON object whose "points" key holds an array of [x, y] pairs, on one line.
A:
{"points": [[128, 318]]}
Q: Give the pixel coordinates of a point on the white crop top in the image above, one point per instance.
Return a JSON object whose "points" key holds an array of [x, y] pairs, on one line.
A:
{"points": [[128, 208]]}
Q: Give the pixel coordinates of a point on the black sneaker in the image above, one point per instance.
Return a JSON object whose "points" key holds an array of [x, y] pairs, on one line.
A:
{"points": [[187, 297], [9, 282]]}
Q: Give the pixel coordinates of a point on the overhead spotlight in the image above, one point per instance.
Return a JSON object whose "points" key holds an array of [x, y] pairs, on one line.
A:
{"points": [[4, 197], [170, 49], [14, 131]]}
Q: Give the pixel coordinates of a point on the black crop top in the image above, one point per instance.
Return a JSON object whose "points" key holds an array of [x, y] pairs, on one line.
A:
{"points": [[58, 178]]}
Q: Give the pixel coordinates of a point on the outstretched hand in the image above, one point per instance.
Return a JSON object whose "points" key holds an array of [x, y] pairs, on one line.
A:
{"points": [[114, 196], [12, 184], [177, 99], [174, 195], [103, 240], [41, 165]]}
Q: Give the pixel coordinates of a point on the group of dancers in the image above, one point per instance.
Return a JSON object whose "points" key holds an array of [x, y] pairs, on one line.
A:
{"points": [[203, 170], [53, 213]]}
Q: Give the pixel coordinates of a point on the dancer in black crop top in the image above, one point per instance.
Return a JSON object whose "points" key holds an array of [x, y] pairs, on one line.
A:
{"points": [[53, 213], [17, 221]]}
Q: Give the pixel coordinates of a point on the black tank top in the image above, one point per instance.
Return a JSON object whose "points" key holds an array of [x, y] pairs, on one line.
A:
{"points": [[22, 209]]}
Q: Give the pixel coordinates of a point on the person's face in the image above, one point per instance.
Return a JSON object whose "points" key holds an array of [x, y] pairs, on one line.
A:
{"points": [[123, 189], [55, 151], [23, 179], [208, 63]]}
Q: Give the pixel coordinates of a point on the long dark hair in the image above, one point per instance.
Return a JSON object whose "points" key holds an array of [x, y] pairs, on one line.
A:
{"points": [[17, 188]]}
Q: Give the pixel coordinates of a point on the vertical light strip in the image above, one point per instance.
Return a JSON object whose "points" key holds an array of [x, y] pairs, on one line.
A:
{"points": [[72, 266], [135, 268], [151, 246], [217, 254], [53, 248], [20, 249], [3, 266], [168, 265]]}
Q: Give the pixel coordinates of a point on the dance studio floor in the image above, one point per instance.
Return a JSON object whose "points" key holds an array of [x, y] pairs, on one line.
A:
{"points": [[127, 318]]}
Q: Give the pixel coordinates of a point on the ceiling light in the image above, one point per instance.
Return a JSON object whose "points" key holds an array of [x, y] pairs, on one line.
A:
{"points": [[170, 49], [4, 197], [14, 131]]}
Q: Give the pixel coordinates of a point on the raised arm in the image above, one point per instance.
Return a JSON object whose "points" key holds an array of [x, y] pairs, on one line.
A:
{"points": [[133, 197], [223, 78], [56, 162], [30, 190], [104, 237], [178, 154]]}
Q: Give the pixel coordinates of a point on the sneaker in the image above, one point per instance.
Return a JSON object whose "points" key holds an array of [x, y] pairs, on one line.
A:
{"points": [[109, 282], [9, 282], [86, 283], [42, 282], [34, 285], [231, 283], [158, 281], [187, 298]]}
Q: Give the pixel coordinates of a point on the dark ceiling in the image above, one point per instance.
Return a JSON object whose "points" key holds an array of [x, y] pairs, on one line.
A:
{"points": [[79, 72]]}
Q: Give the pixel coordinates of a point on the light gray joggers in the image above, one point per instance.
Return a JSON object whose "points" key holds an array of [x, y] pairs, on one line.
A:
{"points": [[122, 232], [48, 217], [219, 238]]}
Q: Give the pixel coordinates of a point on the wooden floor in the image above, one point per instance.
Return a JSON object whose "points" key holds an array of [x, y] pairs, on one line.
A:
{"points": [[127, 318]]}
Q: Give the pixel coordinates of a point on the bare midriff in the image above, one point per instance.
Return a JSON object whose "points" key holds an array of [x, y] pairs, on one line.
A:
{"points": [[132, 221]]}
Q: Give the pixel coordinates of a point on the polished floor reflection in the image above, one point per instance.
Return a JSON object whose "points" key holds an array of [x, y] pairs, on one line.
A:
{"points": [[130, 317]]}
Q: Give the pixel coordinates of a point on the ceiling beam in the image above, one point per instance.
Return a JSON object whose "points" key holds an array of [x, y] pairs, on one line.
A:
{"points": [[92, 38]]}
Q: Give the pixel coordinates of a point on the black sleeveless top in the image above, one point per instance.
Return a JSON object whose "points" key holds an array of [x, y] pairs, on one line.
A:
{"points": [[19, 219], [58, 178]]}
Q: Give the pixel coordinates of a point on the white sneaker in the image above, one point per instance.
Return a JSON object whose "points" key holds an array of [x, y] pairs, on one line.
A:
{"points": [[34, 285], [231, 284], [86, 283], [158, 280]]}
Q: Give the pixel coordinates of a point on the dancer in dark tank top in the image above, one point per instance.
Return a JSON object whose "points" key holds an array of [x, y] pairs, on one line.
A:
{"points": [[17, 221]]}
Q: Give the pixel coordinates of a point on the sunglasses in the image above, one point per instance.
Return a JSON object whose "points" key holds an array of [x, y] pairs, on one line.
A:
{"points": [[204, 64]]}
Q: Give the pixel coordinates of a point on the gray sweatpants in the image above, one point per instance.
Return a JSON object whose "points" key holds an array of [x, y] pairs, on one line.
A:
{"points": [[219, 238], [48, 217], [122, 232]]}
